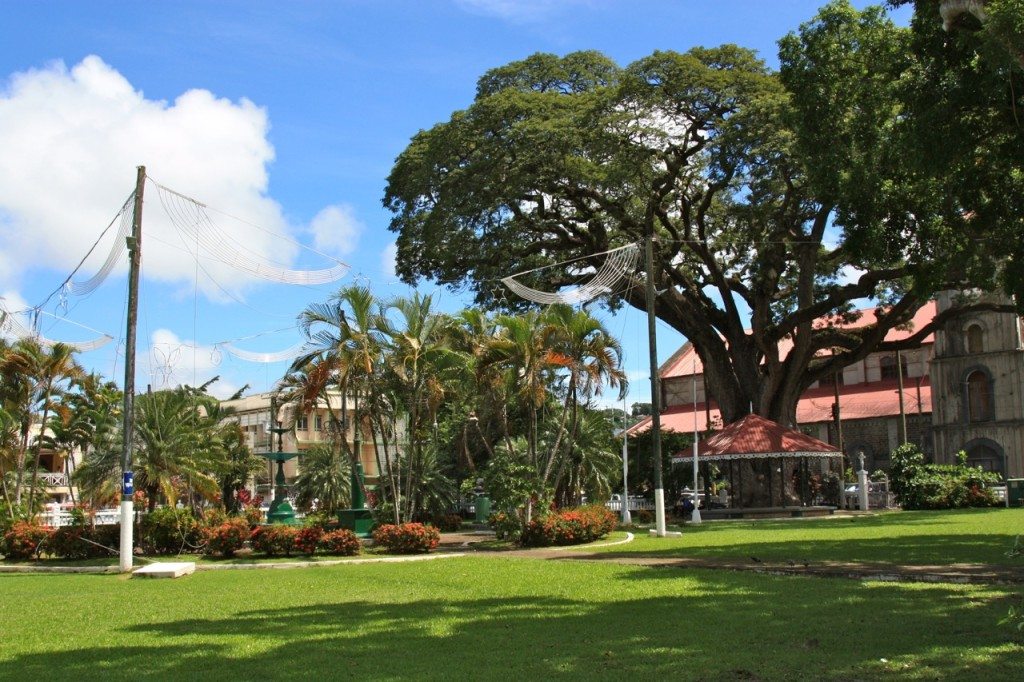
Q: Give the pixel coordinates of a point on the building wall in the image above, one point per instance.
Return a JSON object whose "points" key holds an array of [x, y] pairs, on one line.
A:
{"points": [[1001, 360]]}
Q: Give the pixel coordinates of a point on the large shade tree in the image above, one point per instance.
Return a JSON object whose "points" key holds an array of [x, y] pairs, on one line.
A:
{"points": [[754, 239]]}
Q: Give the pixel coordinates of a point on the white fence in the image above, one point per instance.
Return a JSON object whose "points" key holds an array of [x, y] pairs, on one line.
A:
{"points": [[59, 517], [635, 504], [53, 480]]}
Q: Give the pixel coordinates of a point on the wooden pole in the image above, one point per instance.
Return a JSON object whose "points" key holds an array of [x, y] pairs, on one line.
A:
{"points": [[903, 412], [128, 429]]}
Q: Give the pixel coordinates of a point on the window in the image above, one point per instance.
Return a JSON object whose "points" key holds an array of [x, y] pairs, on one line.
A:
{"points": [[979, 397], [887, 363], [302, 424], [318, 423], [985, 456], [975, 339]]}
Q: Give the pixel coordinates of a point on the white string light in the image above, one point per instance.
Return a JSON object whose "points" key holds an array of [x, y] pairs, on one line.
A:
{"points": [[618, 263]]}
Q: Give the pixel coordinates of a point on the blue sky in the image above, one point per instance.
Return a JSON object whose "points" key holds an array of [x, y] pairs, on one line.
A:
{"points": [[286, 115]]}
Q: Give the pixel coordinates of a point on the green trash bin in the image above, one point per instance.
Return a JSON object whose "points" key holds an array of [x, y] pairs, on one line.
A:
{"points": [[483, 508], [1015, 492]]}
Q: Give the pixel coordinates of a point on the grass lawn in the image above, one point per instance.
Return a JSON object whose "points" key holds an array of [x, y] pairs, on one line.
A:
{"points": [[482, 617], [923, 537]]}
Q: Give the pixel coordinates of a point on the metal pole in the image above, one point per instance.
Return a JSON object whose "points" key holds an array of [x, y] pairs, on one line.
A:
{"points": [[695, 515], [128, 428], [626, 517], [652, 342]]}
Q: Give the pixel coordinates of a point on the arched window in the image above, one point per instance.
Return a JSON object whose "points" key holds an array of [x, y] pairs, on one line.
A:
{"points": [[985, 454], [887, 363], [975, 339], [979, 397]]}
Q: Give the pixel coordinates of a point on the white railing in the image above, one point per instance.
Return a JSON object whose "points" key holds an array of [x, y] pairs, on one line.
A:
{"points": [[634, 504], [59, 518], [53, 479]]}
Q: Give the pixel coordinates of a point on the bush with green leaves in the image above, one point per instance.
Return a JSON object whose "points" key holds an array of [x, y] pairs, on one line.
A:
{"points": [[341, 542], [918, 485], [168, 530], [25, 540], [406, 538], [446, 523], [274, 540], [569, 527], [228, 537], [307, 539]]}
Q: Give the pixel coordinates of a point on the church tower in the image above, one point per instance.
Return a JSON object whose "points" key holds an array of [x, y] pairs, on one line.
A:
{"points": [[977, 376]]}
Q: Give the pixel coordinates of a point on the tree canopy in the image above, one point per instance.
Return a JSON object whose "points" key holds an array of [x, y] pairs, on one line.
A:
{"points": [[775, 199]]}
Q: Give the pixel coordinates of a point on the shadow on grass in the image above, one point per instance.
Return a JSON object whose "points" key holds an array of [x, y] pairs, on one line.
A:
{"points": [[905, 549], [712, 627]]}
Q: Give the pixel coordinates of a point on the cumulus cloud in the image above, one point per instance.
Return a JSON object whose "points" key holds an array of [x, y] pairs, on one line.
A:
{"points": [[336, 230], [174, 362], [387, 260], [71, 140]]}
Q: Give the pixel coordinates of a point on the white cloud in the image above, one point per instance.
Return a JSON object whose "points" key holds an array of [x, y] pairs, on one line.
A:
{"points": [[387, 260], [71, 139], [336, 229], [520, 11], [11, 301], [174, 362]]}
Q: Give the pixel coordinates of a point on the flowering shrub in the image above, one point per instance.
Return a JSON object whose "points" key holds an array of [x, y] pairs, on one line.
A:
{"points": [[407, 538], [307, 539], [569, 527], [168, 530], [274, 540], [74, 542], [506, 526], [446, 523], [228, 537], [253, 515], [343, 542], [25, 540]]}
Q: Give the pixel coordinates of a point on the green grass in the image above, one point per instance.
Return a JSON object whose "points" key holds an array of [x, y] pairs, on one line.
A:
{"points": [[916, 538], [496, 618]]}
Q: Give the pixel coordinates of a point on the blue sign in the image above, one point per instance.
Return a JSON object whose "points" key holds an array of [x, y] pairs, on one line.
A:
{"points": [[128, 485]]}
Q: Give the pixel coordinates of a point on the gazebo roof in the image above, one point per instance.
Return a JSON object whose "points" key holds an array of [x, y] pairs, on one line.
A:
{"points": [[755, 437]]}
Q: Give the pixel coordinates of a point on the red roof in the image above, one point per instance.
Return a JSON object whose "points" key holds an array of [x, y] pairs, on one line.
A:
{"points": [[858, 401], [682, 362], [756, 436]]}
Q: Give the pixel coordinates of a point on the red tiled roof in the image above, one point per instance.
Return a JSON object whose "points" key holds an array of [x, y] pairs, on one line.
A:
{"points": [[682, 362], [756, 436], [859, 401]]}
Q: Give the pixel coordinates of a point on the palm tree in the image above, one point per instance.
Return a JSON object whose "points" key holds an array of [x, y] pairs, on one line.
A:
{"points": [[324, 479], [579, 344], [421, 366], [36, 376], [591, 465], [175, 445]]}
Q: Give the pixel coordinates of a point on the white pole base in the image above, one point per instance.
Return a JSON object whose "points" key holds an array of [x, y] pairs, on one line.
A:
{"points": [[695, 516], [659, 511], [127, 514]]}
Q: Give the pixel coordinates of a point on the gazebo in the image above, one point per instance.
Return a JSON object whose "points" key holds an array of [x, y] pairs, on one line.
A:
{"points": [[770, 469]]}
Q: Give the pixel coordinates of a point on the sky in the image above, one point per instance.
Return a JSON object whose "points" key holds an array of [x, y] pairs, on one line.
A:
{"points": [[283, 120]]}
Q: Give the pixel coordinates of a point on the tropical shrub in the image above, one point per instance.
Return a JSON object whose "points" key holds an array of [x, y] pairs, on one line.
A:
{"points": [[25, 540], [446, 523], [274, 540], [253, 516], [308, 538], [168, 530], [505, 526], [406, 538], [73, 542], [569, 527], [228, 537], [918, 485], [342, 542]]}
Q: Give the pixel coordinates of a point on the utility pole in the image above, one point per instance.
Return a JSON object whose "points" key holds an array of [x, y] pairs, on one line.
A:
{"points": [[695, 514], [626, 518], [903, 412], [127, 476], [652, 342]]}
